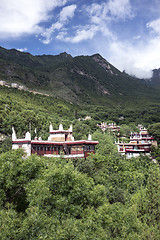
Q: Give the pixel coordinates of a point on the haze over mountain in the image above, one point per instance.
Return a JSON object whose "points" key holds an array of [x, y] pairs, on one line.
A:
{"points": [[155, 80]]}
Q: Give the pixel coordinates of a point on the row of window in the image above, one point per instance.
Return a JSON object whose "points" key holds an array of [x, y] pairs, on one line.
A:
{"points": [[53, 148], [89, 148], [37, 148]]}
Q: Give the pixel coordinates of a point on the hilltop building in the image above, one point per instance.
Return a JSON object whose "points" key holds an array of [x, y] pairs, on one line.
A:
{"points": [[134, 148], [60, 143], [110, 127], [143, 136], [139, 144]]}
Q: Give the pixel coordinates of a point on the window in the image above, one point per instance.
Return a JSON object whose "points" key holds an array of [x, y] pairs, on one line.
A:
{"points": [[87, 148], [92, 147]]}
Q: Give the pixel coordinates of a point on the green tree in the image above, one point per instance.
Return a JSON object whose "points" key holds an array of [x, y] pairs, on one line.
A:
{"points": [[147, 202], [15, 173], [154, 130], [5, 145]]}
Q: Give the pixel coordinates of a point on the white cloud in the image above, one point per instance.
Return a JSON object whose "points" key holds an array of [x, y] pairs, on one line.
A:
{"points": [[26, 17], [136, 60], [120, 9], [23, 17], [47, 34], [22, 49], [84, 33], [137, 37], [100, 16], [110, 11], [154, 25], [65, 14], [142, 57]]}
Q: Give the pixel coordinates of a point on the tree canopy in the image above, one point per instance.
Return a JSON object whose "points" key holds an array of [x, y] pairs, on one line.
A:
{"points": [[102, 197]]}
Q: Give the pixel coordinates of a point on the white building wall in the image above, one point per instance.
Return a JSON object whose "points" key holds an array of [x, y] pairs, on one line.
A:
{"points": [[130, 155], [27, 149], [15, 146], [25, 146]]}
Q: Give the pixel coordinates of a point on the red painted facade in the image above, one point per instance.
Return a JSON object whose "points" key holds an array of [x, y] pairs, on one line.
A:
{"points": [[59, 143], [67, 148]]}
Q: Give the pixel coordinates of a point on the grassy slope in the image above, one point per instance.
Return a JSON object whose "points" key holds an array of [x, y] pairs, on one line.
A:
{"points": [[20, 109]]}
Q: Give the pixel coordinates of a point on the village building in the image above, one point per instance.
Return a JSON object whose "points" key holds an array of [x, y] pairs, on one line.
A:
{"points": [[2, 83], [60, 143], [143, 136], [87, 118], [110, 127], [134, 148], [14, 85], [139, 144]]}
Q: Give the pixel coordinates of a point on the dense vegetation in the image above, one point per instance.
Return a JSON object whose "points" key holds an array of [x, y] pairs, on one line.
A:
{"points": [[102, 197], [27, 111]]}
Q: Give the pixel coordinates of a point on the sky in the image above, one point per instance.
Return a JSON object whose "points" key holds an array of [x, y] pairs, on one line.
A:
{"points": [[125, 32]]}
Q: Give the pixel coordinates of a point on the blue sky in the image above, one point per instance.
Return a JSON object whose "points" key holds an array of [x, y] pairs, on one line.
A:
{"points": [[124, 32]]}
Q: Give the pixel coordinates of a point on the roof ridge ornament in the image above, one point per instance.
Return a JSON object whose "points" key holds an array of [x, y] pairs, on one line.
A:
{"points": [[60, 127], [14, 137], [89, 137]]}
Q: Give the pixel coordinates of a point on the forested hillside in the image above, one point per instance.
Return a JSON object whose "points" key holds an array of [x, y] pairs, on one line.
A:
{"points": [[102, 197], [27, 111], [80, 80]]}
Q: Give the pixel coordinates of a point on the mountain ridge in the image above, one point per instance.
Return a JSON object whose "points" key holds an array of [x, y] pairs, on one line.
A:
{"points": [[80, 79]]}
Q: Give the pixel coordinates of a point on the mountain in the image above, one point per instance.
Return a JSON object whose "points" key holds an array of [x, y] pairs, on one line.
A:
{"points": [[67, 89], [81, 79], [155, 80]]}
